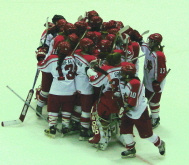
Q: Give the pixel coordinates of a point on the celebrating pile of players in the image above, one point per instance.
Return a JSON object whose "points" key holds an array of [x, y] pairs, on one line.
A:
{"points": [[90, 81]]}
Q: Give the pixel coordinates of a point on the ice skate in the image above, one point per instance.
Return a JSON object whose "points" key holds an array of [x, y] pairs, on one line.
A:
{"points": [[155, 122], [65, 130], [85, 134], [74, 126], [39, 110], [51, 132], [129, 153], [101, 146], [162, 148]]}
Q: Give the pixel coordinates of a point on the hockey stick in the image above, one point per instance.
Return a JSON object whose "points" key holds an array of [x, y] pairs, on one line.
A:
{"points": [[79, 42], [145, 32], [27, 103], [25, 107], [136, 57], [154, 92], [119, 34]]}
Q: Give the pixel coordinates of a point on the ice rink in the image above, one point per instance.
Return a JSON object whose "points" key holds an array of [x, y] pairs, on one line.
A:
{"points": [[21, 27]]}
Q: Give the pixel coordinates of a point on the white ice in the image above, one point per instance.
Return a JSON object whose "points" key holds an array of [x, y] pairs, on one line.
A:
{"points": [[21, 24]]}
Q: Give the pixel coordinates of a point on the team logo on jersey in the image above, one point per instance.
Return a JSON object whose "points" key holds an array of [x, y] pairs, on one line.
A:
{"points": [[149, 65]]}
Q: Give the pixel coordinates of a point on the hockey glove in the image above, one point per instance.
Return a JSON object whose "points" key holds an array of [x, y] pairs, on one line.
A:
{"points": [[135, 36], [91, 74], [156, 86]]}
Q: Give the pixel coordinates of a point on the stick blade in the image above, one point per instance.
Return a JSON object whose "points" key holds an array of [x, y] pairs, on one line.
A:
{"points": [[10, 122]]}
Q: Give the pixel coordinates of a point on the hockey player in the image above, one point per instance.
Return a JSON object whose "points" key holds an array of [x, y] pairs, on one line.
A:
{"points": [[135, 113], [62, 91], [83, 57], [47, 77], [154, 72], [108, 103]]}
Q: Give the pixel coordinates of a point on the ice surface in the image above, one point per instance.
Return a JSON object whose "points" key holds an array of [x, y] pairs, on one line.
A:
{"points": [[21, 26]]}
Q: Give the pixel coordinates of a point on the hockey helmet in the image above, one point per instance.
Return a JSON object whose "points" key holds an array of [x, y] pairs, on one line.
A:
{"points": [[81, 26], [113, 31], [61, 23], [105, 46], [110, 37], [128, 70], [70, 28], [92, 13], [95, 21], [64, 47], [113, 59], [87, 45], [156, 37]]}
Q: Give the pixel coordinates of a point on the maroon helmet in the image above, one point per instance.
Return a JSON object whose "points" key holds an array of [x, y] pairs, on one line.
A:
{"points": [[61, 23], [95, 21], [87, 45], [113, 31], [70, 28], [156, 37], [91, 35], [112, 24], [81, 26], [110, 37], [92, 13], [128, 70], [105, 46], [73, 38], [64, 47], [119, 24]]}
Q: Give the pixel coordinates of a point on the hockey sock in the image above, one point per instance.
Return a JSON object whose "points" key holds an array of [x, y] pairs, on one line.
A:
{"points": [[76, 115], [66, 118], [155, 108], [127, 140], [155, 140], [42, 98], [52, 118], [85, 119]]}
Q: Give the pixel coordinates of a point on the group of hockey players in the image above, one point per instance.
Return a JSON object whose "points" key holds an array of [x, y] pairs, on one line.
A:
{"points": [[90, 80]]}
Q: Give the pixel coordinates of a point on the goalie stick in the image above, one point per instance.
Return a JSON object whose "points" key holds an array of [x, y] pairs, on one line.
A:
{"points": [[25, 107], [19, 121]]}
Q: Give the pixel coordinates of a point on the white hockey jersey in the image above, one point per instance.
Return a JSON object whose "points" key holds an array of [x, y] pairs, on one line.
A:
{"points": [[63, 78], [133, 93], [82, 81], [154, 67]]}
